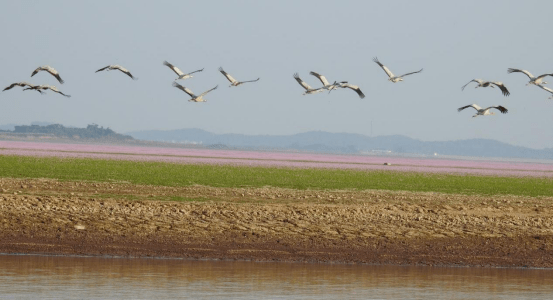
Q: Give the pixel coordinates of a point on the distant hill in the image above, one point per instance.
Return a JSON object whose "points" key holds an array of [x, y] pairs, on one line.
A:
{"points": [[90, 132], [319, 141]]}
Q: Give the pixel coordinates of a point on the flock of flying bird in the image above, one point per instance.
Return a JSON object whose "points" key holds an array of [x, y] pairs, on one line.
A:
{"points": [[327, 86]]}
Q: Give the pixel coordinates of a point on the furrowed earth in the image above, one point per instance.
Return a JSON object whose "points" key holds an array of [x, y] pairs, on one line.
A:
{"points": [[46, 216]]}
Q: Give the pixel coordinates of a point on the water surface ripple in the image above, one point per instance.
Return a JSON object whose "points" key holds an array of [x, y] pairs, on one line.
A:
{"points": [[57, 277]]}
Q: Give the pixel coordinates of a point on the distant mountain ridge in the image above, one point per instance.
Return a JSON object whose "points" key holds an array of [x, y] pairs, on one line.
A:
{"points": [[320, 141]]}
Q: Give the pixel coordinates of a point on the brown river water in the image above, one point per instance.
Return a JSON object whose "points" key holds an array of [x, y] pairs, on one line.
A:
{"points": [[59, 277]]}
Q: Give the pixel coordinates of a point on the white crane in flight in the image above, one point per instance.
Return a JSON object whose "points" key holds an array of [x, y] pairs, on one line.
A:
{"points": [[391, 75], [118, 67], [49, 70], [179, 72], [482, 83], [484, 111], [195, 98]]}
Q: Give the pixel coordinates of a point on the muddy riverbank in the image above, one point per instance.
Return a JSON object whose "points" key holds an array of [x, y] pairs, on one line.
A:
{"points": [[274, 224]]}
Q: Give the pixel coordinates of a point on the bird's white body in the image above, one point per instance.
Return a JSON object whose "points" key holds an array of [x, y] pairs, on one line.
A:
{"points": [[484, 111]]}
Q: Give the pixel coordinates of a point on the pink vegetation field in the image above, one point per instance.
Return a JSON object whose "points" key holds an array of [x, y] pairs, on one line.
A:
{"points": [[275, 159]]}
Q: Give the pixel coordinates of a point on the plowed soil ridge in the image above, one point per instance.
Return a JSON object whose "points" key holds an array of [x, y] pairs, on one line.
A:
{"points": [[274, 224]]}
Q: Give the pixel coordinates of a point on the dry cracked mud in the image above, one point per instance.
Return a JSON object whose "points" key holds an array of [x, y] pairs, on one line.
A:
{"points": [[274, 224]]}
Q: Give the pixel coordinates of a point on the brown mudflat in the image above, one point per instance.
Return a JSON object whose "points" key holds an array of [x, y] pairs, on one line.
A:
{"points": [[272, 224]]}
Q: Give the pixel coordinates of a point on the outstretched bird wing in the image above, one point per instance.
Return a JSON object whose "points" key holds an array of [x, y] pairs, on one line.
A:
{"points": [[126, 72], [502, 109], [184, 89], [411, 73], [321, 78], [545, 88], [175, 69], [54, 73], [388, 72], [479, 81], [502, 87], [301, 82], [472, 105], [36, 71], [102, 69], [232, 80], [251, 80], [543, 75], [204, 93], [50, 70], [14, 84], [355, 88], [511, 70], [55, 89], [195, 72]]}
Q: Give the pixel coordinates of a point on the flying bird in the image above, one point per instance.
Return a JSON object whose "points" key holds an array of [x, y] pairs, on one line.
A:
{"points": [[195, 98], [547, 89], [234, 82], [22, 84], [391, 75], [350, 86], [49, 70], [47, 87], [308, 89], [179, 72], [117, 67], [533, 80], [482, 83], [484, 111], [324, 81]]}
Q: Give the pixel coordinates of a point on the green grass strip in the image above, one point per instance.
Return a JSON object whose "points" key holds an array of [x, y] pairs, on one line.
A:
{"points": [[168, 174]]}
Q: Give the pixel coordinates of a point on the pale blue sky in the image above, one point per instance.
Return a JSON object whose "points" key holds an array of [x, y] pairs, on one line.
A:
{"points": [[453, 41]]}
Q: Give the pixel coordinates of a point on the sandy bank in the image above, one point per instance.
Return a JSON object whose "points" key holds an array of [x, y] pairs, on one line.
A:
{"points": [[52, 217]]}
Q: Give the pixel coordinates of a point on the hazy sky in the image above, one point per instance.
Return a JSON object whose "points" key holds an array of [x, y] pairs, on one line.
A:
{"points": [[453, 41]]}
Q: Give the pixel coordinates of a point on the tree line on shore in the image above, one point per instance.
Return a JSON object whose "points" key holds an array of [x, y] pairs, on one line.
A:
{"points": [[92, 131]]}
